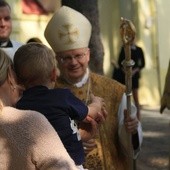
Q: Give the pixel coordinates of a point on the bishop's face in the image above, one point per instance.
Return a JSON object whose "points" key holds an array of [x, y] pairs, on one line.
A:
{"points": [[73, 64]]}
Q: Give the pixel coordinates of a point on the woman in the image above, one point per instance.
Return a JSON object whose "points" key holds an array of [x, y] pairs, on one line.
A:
{"points": [[27, 140]]}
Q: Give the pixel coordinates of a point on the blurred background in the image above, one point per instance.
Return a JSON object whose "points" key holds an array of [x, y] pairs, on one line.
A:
{"points": [[151, 19]]}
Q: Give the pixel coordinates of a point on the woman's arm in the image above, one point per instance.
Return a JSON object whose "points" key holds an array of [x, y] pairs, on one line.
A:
{"points": [[47, 150]]}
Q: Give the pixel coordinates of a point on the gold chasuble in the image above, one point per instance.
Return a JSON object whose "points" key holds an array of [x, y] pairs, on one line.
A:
{"points": [[108, 155]]}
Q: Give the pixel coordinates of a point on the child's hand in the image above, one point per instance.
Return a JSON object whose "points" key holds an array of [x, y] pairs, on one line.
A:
{"points": [[101, 116], [99, 108], [88, 129]]}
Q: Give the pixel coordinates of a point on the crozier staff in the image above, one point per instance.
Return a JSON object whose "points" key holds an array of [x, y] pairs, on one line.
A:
{"points": [[127, 31]]}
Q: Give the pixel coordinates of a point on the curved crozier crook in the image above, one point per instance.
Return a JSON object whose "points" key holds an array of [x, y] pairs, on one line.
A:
{"points": [[127, 31]]}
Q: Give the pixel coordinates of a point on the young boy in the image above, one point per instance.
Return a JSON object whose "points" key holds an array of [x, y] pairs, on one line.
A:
{"points": [[36, 69]]}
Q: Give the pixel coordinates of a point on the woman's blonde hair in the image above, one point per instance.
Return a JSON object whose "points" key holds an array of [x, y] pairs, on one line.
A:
{"points": [[33, 64], [5, 62]]}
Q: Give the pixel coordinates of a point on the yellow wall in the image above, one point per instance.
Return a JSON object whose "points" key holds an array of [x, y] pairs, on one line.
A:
{"points": [[163, 23], [109, 23], [151, 19], [27, 26], [150, 83]]}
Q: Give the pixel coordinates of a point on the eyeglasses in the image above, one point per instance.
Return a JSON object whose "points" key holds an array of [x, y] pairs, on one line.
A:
{"points": [[68, 58]]}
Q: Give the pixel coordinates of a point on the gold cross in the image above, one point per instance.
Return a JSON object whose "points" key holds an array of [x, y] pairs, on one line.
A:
{"points": [[69, 33]]}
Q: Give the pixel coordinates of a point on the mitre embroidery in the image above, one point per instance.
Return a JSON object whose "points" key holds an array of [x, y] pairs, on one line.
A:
{"points": [[68, 33]]}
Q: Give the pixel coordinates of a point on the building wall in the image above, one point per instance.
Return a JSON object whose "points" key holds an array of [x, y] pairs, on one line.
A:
{"points": [[150, 81], [151, 20], [163, 34], [109, 23], [27, 26]]}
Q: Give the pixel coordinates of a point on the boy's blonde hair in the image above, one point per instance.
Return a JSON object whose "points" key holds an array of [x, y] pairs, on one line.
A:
{"points": [[5, 62], [34, 63]]}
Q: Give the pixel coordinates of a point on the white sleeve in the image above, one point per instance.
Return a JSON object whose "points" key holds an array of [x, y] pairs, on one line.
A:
{"points": [[121, 129]]}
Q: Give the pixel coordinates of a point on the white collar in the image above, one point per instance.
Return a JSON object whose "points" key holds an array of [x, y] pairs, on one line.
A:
{"points": [[84, 79], [4, 44]]}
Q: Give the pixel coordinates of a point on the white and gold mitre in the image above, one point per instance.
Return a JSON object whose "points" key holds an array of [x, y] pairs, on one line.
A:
{"points": [[68, 29]]}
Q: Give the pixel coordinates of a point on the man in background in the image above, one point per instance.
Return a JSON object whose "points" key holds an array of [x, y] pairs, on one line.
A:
{"points": [[6, 44]]}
